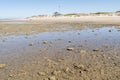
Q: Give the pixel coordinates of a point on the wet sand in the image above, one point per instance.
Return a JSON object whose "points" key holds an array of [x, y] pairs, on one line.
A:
{"points": [[59, 51]]}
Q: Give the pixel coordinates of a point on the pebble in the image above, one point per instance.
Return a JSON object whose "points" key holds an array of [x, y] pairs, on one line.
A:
{"points": [[52, 78], [67, 69], [56, 72], [41, 73], [10, 75], [80, 66], [46, 79], [70, 49], [69, 41], [110, 30], [31, 44], [45, 42], [96, 49]]}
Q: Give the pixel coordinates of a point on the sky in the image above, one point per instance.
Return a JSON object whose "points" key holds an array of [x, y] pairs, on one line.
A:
{"points": [[26, 8]]}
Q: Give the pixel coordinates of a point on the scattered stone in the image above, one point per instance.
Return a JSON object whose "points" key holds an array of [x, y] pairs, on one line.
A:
{"points": [[72, 72], [45, 42], [60, 60], [56, 72], [67, 69], [96, 49], [10, 75], [41, 73], [80, 66], [110, 30], [2, 66], [52, 78], [31, 44], [70, 49], [51, 62], [70, 41], [46, 79]]}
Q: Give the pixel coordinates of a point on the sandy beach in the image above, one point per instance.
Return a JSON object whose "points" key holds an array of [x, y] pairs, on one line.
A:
{"points": [[81, 19], [45, 23], [60, 48]]}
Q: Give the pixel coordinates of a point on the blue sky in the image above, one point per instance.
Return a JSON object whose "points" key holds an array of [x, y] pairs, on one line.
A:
{"points": [[24, 8]]}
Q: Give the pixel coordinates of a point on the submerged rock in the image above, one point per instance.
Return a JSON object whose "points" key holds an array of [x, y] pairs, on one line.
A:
{"points": [[69, 41], [93, 31], [31, 44], [110, 30]]}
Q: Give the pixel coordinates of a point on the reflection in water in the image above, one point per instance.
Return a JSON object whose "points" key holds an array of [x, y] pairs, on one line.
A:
{"points": [[87, 38]]}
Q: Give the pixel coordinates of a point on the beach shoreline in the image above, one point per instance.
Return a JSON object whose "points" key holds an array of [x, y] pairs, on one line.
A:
{"points": [[81, 19], [63, 19], [60, 48]]}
